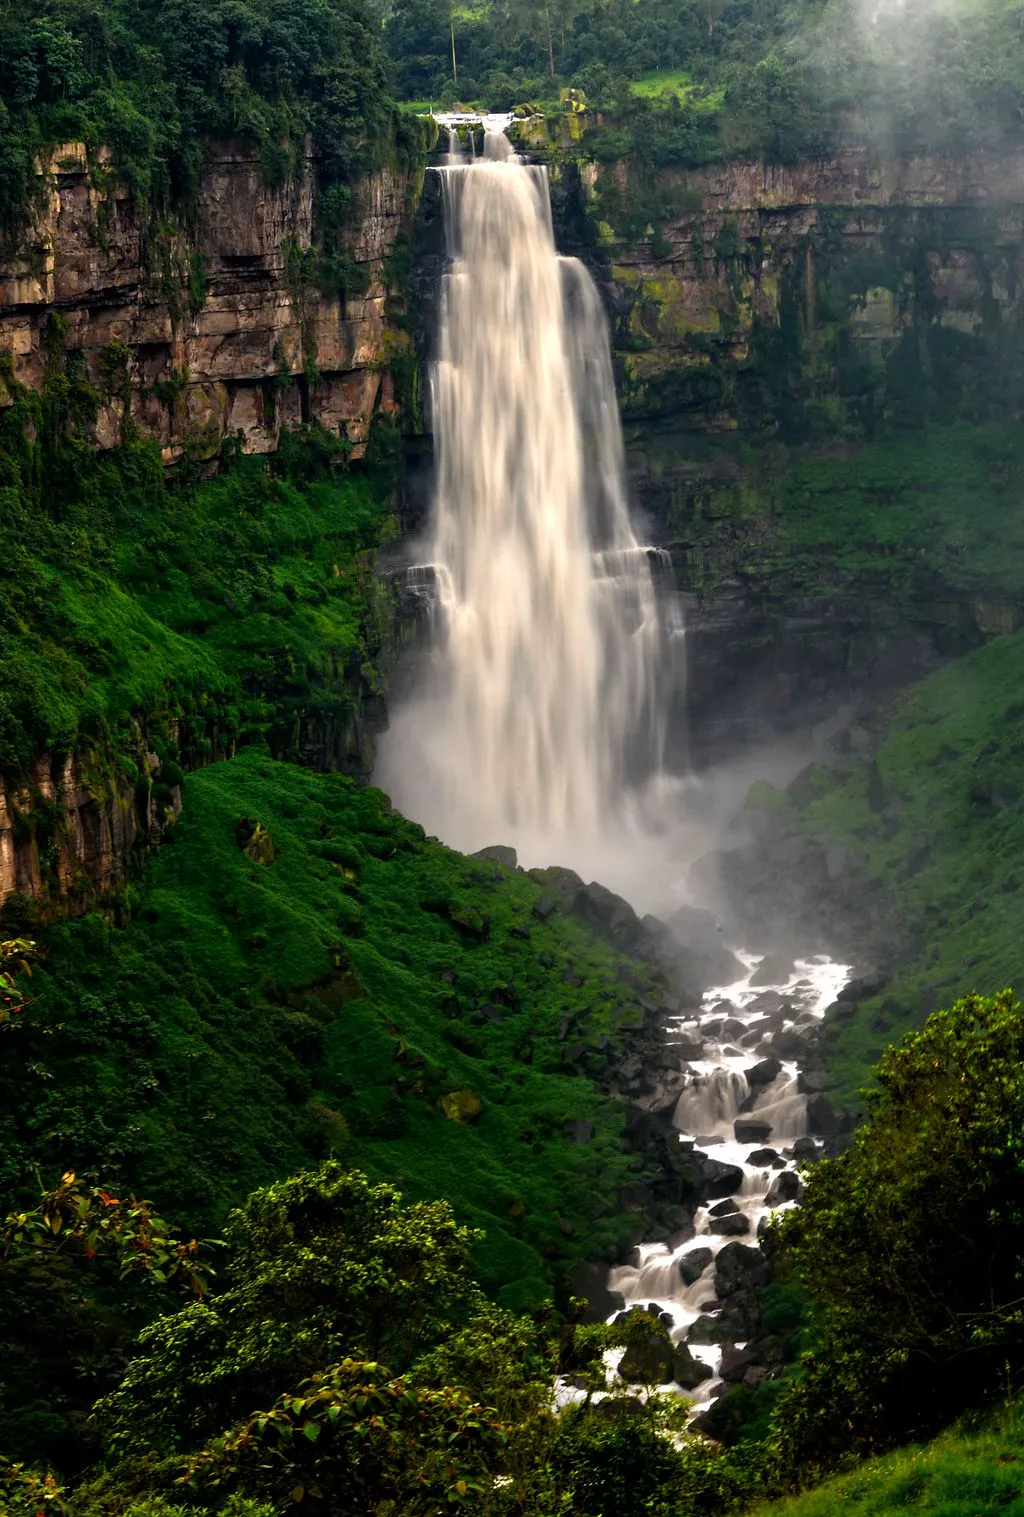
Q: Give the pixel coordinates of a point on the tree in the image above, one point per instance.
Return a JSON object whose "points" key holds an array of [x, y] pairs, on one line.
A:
{"points": [[911, 1245], [322, 1268]]}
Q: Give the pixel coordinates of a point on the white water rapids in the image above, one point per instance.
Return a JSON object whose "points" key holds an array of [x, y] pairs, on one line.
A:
{"points": [[547, 700]]}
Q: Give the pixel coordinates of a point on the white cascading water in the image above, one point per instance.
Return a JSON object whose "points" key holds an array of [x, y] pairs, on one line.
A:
{"points": [[548, 696]]}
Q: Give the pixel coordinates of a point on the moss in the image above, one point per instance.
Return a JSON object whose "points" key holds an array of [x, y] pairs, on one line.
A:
{"points": [[194, 1052]]}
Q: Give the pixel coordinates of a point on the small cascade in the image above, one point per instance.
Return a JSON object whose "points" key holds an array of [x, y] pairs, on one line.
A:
{"points": [[742, 1108]]}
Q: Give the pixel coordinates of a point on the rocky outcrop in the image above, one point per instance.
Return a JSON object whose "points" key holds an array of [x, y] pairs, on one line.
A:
{"points": [[69, 828], [230, 325]]}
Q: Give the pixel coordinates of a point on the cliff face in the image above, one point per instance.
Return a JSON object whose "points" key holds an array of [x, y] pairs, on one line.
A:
{"points": [[763, 315], [217, 328], [741, 292]]}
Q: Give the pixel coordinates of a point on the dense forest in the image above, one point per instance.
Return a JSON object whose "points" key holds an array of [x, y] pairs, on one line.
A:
{"points": [[318, 1137]]}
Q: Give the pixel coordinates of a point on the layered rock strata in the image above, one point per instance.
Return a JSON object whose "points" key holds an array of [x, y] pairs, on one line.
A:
{"points": [[211, 330]]}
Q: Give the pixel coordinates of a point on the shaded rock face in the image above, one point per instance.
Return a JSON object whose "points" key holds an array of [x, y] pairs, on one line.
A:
{"points": [[212, 333], [68, 832]]}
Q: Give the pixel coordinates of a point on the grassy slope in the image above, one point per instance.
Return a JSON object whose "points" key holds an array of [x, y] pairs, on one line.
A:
{"points": [[251, 1015], [224, 601], [964, 1473], [942, 849]]}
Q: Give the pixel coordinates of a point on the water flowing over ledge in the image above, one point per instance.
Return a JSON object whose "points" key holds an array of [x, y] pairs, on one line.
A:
{"points": [[554, 652]]}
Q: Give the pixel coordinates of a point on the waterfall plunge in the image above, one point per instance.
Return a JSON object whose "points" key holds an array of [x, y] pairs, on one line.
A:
{"points": [[550, 679]]}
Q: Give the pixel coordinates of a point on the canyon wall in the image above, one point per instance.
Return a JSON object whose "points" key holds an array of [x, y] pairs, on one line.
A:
{"points": [[221, 325], [767, 314]]}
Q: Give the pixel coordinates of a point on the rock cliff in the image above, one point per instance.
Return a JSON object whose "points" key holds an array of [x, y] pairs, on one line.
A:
{"points": [[227, 324], [763, 315]]}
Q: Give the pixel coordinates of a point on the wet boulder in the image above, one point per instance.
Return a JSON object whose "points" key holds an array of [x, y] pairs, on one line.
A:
{"points": [[693, 1264], [735, 1225], [748, 1130], [822, 1117], [785, 1187], [764, 1073], [719, 1179], [735, 1363], [739, 1268], [724, 1208], [766, 1158], [589, 1282]]}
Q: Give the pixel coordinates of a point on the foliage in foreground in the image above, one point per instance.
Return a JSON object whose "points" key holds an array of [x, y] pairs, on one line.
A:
{"points": [[350, 1362], [911, 1245], [324, 1272]]}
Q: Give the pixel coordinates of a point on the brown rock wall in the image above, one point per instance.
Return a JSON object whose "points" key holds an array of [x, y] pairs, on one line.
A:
{"points": [[210, 313]]}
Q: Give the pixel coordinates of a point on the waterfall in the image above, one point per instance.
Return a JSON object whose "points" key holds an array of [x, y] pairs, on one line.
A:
{"points": [[549, 693]]}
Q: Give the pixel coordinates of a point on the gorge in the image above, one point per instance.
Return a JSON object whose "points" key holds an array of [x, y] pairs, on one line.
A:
{"points": [[509, 689]]}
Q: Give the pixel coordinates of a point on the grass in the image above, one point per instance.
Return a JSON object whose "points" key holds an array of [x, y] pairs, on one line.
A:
{"points": [[251, 1016], [230, 602], [964, 1473]]}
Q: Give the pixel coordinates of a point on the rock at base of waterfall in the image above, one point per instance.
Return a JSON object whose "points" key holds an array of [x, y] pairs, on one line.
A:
{"points": [[774, 969], [688, 1371], [544, 906], [751, 1132], [735, 1363], [739, 1268], [698, 934], [498, 853], [785, 1187], [656, 1361], [766, 1158], [804, 1149], [719, 1179], [724, 1208], [733, 1226], [692, 1265], [704, 1330], [822, 1117], [764, 1073], [791, 1042], [589, 1282]]}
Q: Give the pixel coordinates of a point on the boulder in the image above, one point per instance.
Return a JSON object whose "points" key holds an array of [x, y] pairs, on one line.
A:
{"points": [[766, 1158], [589, 1282], [739, 1268], [693, 1264], [733, 1226], [724, 1208], [785, 1187], [822, 1117], [735, 1363], [544, 906], [764, 1073], [749, 1131], [607, 913], [719, 1179], [804, 1149], [774, 969], [688, 1371], [497, 853]]}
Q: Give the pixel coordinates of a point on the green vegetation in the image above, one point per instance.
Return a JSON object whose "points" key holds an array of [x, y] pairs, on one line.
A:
{"points": [[150, 81], [325, 994], [972, 1471], [208, 610], [782, 82], [930, 826]]}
